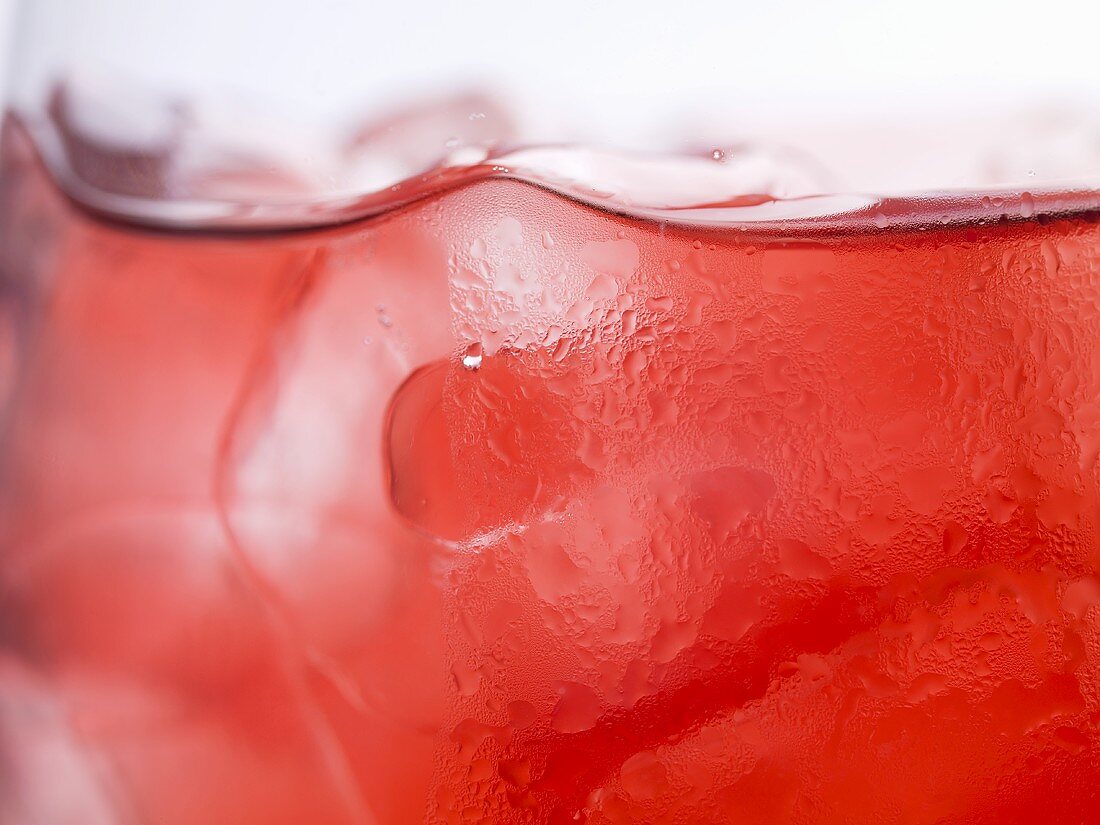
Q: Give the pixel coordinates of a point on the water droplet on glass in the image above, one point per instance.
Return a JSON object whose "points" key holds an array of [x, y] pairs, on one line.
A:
{"points": [[1027, 205], [471, 358]]}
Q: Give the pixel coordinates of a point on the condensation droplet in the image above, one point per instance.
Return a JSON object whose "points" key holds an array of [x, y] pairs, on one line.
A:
{"points": [[1027, 205], [471, 358]]}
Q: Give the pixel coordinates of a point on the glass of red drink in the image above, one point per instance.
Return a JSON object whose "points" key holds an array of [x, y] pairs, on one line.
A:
{"points": [[431, 475]]}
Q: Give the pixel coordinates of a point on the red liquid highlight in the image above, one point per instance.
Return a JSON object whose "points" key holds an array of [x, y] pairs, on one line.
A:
{"points": [[501, 508]]}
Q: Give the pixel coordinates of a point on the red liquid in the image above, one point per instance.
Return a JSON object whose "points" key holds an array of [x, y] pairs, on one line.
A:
{"points": [[499, 508]]}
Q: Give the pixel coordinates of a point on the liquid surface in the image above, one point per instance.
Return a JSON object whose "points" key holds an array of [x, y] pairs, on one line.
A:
{"points": [[501, 508], [163, 163]]}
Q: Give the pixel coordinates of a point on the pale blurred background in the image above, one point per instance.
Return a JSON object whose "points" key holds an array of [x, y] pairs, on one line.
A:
{"points": [[929, 86], [612, 60], [7, 8]]}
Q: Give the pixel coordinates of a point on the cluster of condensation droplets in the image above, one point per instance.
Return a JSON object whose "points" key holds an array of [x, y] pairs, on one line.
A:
{"points": [[763, 530]]}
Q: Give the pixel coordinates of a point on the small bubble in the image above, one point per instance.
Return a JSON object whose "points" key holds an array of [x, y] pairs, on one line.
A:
{"points": [[547, 240], [383, 317], [1031, 173], [718, 155], [450, 143], [477, 115], [697, 245], [471, 358]]}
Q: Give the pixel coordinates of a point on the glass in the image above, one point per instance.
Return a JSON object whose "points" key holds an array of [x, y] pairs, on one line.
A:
{"points": [[371, 452]]}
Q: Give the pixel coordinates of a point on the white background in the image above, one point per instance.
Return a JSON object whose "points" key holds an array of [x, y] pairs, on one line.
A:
{"points": [[618, 71], [604, 59], [6, 9]]}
